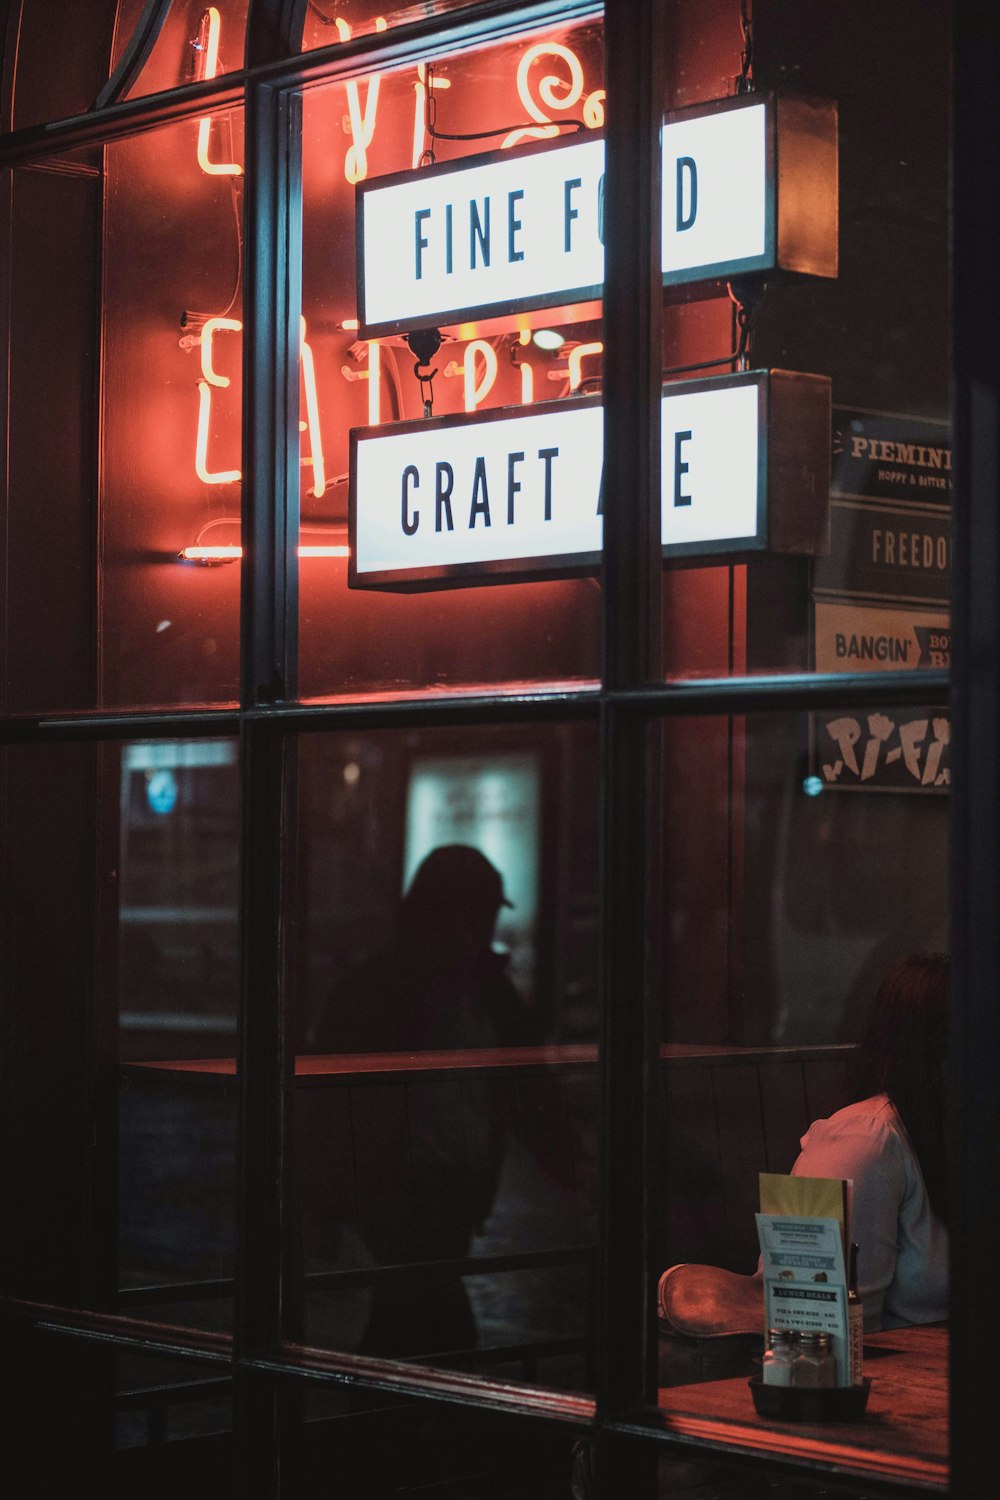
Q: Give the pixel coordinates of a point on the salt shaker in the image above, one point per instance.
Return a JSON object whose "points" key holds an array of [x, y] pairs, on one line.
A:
{"points": [[778, 1357]]}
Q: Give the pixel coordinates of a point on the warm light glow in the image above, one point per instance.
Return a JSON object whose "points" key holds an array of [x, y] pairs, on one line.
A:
{"points": [[576, 358], [548, 338], [547, 86], [593, 109], [206, 475], [477, 389], [374, 384], [362, 122], [232, 554], [312, 414], [211, 554], [213, 169], [527, 374], [208, 332], [350, 325], [362, 119]]}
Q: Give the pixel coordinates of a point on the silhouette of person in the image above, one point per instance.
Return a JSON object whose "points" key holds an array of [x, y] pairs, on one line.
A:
{"points": [[439, 986]]}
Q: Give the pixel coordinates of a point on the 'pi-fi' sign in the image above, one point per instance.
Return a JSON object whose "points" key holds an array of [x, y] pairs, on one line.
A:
{"points": [[514, 231], [517, 492]]}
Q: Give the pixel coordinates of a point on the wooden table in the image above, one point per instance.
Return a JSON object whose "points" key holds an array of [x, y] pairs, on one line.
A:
{"points": [[904, 1433]]}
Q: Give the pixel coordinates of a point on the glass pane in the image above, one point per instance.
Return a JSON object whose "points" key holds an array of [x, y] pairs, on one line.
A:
{"points": [[854, 576], [173, 1423], [121, 1020], [172, 421], [49, 582], [329, 21], [178, 882], [140, 468], [392, 1446], [133, 1423], [196, 41], [57, 58], [445, 1084], [436, 604], [804, 932]]}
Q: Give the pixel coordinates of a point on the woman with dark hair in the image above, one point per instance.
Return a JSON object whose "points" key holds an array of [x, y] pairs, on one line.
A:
{"points": [[890, 1141]]}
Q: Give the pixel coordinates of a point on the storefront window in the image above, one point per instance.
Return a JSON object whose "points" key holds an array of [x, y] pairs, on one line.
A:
{"points": [[444, 1097], [190, 41], [814, 876], [378, 629], [327, 21], [478, 767], [121, 1018]]}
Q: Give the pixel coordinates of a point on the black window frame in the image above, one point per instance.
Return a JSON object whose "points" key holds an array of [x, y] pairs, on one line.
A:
{"points": [[630, 699]]}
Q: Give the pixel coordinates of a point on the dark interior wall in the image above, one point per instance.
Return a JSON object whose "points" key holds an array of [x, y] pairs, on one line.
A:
{"points": [[840, 885], [50, 537], [781, 910], [61, 53]]}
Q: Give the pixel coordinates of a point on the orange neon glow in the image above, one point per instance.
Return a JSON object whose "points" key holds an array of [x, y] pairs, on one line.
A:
{"points": [[204, 473], [593, 109], [568, 96], [213, 169], [350, 325], [527, 373], [232, 554], [374, 384], [476, 389], [362, 120], [211, 554], [312, 414], [209, 329], [576, 358]]}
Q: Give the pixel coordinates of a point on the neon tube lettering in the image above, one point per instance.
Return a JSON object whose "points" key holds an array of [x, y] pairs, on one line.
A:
{"points": [[476, 389], [211, 56], [312, 414]]}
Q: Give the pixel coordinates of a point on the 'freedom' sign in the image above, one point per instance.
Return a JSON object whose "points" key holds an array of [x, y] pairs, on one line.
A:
{"points": [[518, 492], [514, 231]]}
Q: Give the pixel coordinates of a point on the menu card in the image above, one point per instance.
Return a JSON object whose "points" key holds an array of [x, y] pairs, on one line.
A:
{"points": [[803, 1228]]}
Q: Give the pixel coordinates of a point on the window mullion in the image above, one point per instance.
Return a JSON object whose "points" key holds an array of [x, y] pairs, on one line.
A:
{"points": [[632, 323]]}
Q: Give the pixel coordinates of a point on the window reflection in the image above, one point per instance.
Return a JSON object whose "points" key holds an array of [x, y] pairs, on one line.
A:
{"points": [[177, 966], [444, 1098], [355, 641], [826, 898]]}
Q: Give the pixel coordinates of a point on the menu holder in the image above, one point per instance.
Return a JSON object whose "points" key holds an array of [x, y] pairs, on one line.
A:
{"points": [[804, 1233]]}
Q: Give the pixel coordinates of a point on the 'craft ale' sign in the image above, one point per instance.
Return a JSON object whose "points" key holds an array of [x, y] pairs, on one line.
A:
{"points": [[516, 493], [513, 231]]}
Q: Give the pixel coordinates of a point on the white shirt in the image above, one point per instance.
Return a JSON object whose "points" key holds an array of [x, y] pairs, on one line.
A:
{"points": [[902, 1245]]}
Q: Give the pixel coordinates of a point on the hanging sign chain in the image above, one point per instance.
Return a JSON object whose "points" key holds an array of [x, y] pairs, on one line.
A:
{"points": [[424, 344], [744, 83]]}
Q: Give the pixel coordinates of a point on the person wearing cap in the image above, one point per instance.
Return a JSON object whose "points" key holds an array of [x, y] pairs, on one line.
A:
{"points": [[439, 985]]}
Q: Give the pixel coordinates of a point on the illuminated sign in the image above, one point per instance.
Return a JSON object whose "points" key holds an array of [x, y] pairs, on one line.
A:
{"points": [[517, 492], [513, 231]]}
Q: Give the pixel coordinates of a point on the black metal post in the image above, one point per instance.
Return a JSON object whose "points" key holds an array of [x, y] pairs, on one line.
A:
{"points": [[975, 1041], [268, 641], [631, 581]]}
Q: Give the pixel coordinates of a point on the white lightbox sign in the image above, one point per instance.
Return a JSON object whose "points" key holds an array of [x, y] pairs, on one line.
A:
{"points": [[517, 492], [715, 193], [511, 230], [514, 231]]}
